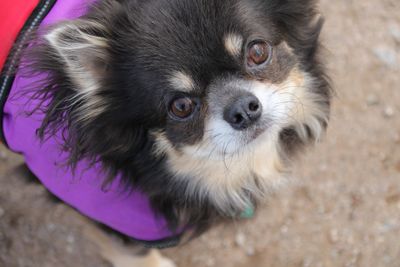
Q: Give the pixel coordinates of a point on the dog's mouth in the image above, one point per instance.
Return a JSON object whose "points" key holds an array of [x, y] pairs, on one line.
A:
{"points": [[248, 139], [255, 132]]}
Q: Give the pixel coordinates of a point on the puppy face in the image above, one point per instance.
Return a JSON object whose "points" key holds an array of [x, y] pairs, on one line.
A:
{"points": [[207, 100]]}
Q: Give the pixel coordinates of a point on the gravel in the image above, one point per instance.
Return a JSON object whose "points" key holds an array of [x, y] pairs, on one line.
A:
{"points": [[389, 112]]}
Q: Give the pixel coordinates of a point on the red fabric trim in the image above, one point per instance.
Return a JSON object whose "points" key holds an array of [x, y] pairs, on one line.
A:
{"points": [[13, 15]]}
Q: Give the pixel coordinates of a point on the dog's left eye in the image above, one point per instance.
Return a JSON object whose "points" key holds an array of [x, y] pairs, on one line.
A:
{"points": [[182, 107], [258, 52]]}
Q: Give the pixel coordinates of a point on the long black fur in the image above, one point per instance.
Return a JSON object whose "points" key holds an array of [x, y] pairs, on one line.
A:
{"points": [[133, 84]]}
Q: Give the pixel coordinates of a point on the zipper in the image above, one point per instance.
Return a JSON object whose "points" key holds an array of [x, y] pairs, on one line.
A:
{"points": [[7, 76]]}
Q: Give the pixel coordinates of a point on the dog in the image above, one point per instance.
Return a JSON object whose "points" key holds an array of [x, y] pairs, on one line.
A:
{"points": [[198, 106]]}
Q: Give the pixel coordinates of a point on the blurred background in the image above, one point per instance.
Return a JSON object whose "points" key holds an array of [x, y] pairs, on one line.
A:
{"points": [[341, 209]]}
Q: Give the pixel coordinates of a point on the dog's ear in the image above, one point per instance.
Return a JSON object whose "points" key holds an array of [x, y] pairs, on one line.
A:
{"points": [[73, 58], [81, 47], [81, 105], [300, 23]]}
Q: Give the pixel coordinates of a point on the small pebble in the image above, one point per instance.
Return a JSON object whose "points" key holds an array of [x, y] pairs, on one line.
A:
{"points": [[308, 262], [210, 262], [383, 157], [350, 239], [397, 166], [387, 226], [395, 32], [334, 235], [250, 251], [396, 138], [226, 244], [3, 156], [372, 100], [51, 227], [240, 239], [70, 249], [321, 209], [323, 167], [334, 253], [70, 239], [387, 56], [387, 259], [389, 112]]}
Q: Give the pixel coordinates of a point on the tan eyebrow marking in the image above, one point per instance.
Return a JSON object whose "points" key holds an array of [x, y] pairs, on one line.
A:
{"points": [[233, 44], [182, 81]]}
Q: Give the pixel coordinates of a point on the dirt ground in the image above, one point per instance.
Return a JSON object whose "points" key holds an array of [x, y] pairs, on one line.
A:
{"points": [[342, 208]]}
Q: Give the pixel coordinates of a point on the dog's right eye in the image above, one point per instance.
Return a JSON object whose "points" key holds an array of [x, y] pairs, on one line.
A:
{"points": [[181, 108], [258, 52]]}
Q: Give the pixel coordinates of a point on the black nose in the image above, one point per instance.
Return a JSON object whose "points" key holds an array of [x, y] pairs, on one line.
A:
{"points": [[243, 112]]}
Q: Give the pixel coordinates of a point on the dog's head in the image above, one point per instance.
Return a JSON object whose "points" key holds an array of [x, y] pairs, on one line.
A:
{"points": [[199, 102]]}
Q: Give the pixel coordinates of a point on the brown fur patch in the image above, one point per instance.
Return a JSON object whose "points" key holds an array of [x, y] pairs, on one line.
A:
{"points": [[181, 81], [233, 44]]}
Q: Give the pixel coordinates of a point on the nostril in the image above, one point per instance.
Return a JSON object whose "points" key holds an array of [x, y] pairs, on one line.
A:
{"points": [[238, 118], [254, 106]]}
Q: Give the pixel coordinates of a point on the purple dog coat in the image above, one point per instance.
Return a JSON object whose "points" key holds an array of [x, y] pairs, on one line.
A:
{"points": [[127, 213]]}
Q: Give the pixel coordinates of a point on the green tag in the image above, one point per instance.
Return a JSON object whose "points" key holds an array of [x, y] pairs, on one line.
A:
{"points": [[248, 213]]}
